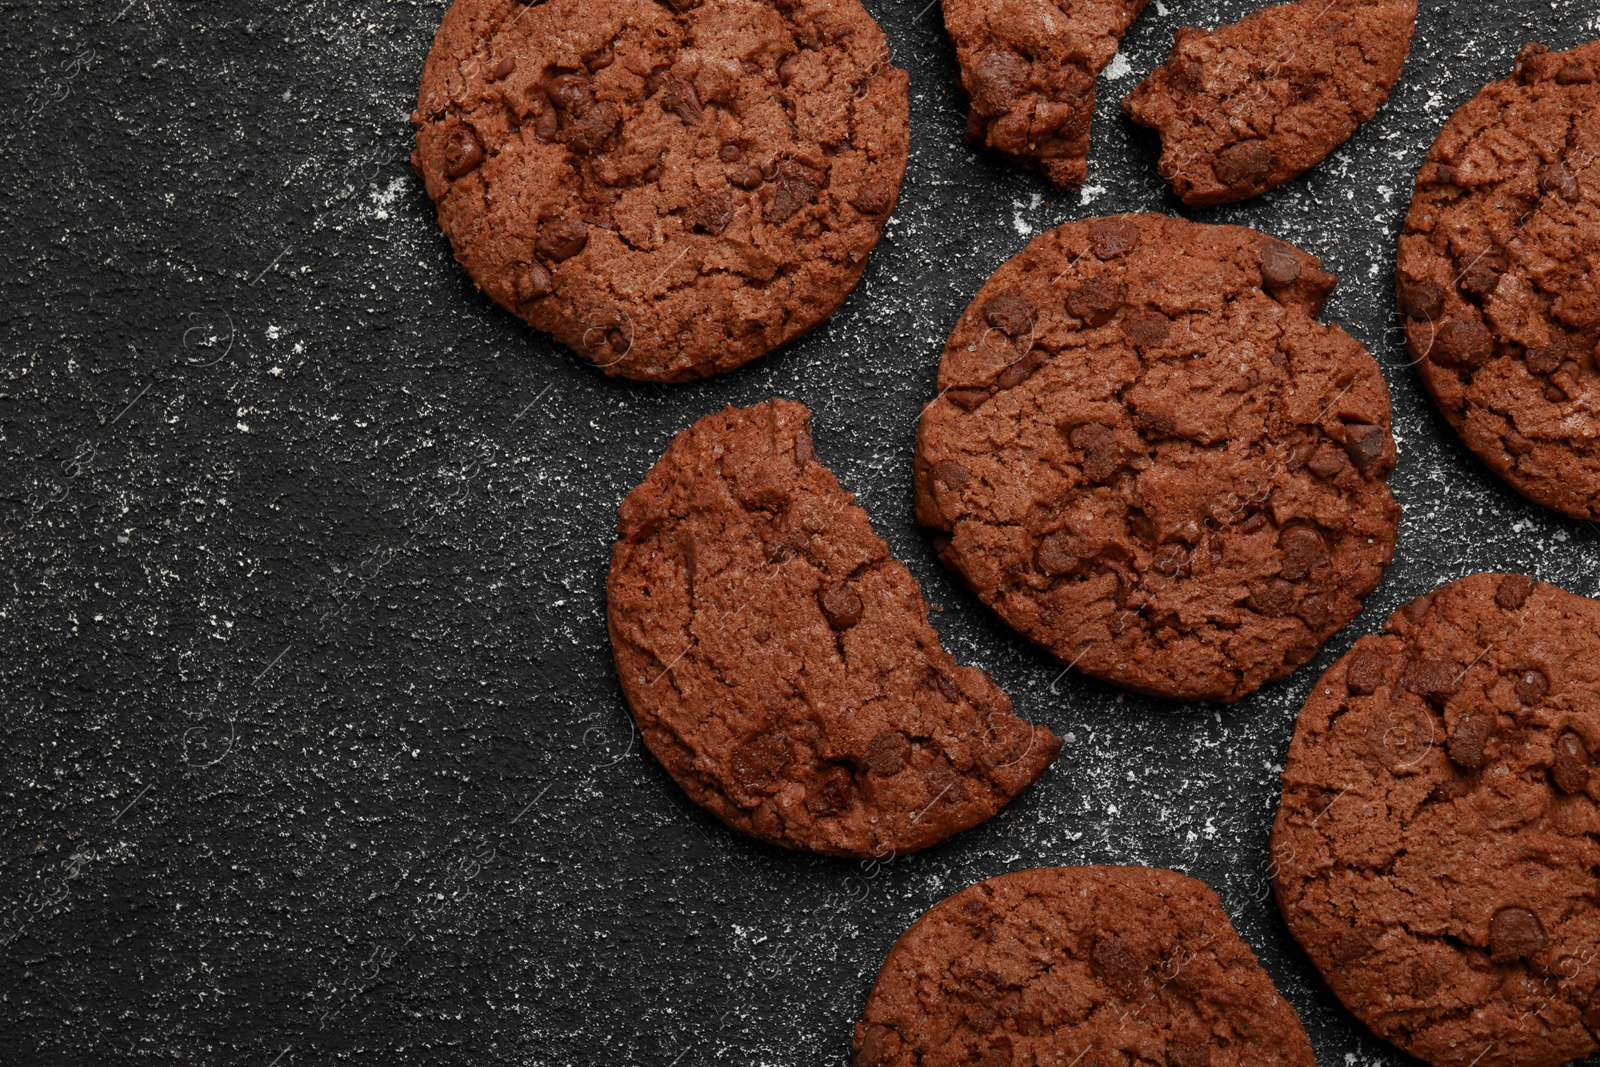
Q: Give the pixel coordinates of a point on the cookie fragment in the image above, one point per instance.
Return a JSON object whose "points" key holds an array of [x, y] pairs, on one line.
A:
{"points": [[1496, 278], [779, 662], [1029, 73], [1452, 827], [704, 180], [1076, 965], [1174, 478], [1246, 107]]}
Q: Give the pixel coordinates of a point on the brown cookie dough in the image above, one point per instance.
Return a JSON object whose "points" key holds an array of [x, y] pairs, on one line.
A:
{"points": [[1148, 456], [671, 189], [1249, 106], [1029, 70], [1087, 966], [779, 662], [1436, 845], [1499, 277]]}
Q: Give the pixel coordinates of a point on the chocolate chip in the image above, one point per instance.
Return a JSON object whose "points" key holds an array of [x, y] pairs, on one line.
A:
{"points": [[1463, 343], [1366, 446], [533, 281], [887, 753], [1423, 301], [997, 78], [712, 213], [1096, 301], [1102, 456], [950, 473], [619, 341], [797, 186], [1574, 74], [873, 198], [1147, 329], [1571, 768], [1513, 591], [1303, 549], [840, 604], [1010, 313], [833, 795], [1430, 678], [1532, 685], [1446, 174], [1022, 369], [505, 68], [1275, 599], [462, 152], [1483, 277], [750, 66], [967, 399], [561, 240], [679, 98], [600, 60], [1054, 556], [1328, 462], [730, 153], [1416, 608], [1547, 359], [571, 92], [546, 126], [1515, 934], [1246, 163], [1365, 672], [1280, 267], [1114, 237], [1557, 179], [745, 177], [1353, 944], [1468, 737], [757, 763], [1555, 394]]}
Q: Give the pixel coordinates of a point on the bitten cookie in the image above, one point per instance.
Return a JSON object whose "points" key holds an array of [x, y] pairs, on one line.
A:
{"points": [[1087, 966], [671, 189], [1436, 846], [1498, 277], [779, 662], [1149, 457], [1029, 70], [1247, 107]]}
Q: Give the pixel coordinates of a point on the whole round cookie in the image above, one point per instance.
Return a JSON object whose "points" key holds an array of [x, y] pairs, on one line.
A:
{"points": [[779, 662], [1436, 845], [1248, 106], [1081, 966], [1499, 277], [670, 188], [1029, 69], [1149, 457]]}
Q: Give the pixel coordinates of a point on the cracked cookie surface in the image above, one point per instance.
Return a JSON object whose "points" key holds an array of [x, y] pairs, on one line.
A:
{"points": [[1246, 107], [1090, 966], [780, 663], [1498, 273], [671, 190], [1436, 845], [1149, 457], [1029, 69]]}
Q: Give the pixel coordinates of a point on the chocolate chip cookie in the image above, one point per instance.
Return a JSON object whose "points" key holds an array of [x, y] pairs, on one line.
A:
{"points": [[1029, 69], [1087, 966], [1436, 846], [670, 188], [1149, 457], [1246, 107], [779, 661], [1499, 277]]}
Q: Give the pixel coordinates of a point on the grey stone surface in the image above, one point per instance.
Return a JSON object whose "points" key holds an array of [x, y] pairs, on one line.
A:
{"points": [[311, 750]]}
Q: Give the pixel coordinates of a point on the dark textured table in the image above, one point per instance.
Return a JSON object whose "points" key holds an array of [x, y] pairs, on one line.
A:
{"points": [[311, 749]]}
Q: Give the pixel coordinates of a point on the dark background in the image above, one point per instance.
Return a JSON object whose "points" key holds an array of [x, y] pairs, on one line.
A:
{"points": [[311, 748]]}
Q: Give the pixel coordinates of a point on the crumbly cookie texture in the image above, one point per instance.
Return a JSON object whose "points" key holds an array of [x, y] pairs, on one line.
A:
{"points": [[1246, 107], [1149, 457], [1029, 69], [1436, 846], [779, 662], [1497, 278], [671, 189], [1088, 966]]}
